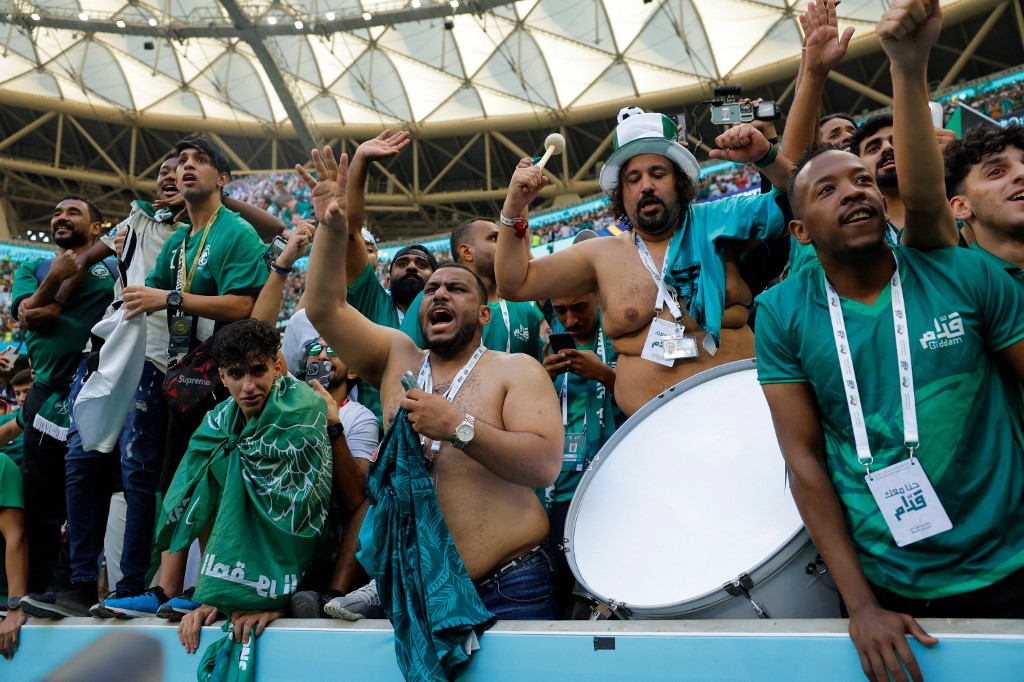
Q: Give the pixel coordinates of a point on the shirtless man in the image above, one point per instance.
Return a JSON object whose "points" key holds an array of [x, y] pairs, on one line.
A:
{"points": [[500, 436], [652, 179]]}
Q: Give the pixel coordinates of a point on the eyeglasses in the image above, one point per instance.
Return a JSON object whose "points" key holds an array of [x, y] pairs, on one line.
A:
{"points": [[315, 348]]}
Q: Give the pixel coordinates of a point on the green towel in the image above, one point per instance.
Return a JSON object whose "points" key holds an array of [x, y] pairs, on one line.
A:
{"points": [[696, 262], [228, 661], [421, 580], [268, 482]]}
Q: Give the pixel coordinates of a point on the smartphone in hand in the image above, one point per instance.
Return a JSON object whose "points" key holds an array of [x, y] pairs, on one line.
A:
{"points": [[561, 341]]}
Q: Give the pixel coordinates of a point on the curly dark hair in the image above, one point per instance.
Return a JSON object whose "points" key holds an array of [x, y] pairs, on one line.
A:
{"points": [[244, 341], [977, 143], [686, 191], [867, 129], [815, 150]]}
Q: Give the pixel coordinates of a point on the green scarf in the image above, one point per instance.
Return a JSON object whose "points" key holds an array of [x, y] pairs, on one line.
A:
{"points": [[422, 583], [227, 660], [268, 483]]}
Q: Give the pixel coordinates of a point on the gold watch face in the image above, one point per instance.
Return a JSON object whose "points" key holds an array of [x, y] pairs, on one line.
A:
{"points": [[464, 433]]}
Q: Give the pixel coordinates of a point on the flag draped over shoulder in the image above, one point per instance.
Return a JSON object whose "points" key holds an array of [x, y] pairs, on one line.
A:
{"points": [[267, 485], [422, 583]]}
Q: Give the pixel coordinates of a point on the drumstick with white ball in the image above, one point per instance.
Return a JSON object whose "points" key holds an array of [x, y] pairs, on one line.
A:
{"points": [[553, 144]]}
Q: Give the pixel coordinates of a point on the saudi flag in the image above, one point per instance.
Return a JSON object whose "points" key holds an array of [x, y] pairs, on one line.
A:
{"points": [[965, 118]]}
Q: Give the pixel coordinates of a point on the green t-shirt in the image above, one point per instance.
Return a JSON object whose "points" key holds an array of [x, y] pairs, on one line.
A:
{"points": [[1011, 269], [523, 319], [55, 351], [11, 495], [970, 415], [591, 410], [231, 262], [14, 449]]}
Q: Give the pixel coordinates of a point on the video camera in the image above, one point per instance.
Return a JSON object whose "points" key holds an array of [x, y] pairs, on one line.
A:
{"points": [[726, 110]]}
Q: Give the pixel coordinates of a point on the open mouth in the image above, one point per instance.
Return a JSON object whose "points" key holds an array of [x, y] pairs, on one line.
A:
{"points": [[651, 205], [187, 179], [858, 215], [61, 227], [1019, 196], [440, 318], [169, 189], [886, 164]]}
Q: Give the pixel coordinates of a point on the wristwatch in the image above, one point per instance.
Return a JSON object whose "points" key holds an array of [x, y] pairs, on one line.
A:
{"points": [[335, 430], [174, 300], [464, 432]]}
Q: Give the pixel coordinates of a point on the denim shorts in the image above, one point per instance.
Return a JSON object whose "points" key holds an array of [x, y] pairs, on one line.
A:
{"points": [[523, 593]]}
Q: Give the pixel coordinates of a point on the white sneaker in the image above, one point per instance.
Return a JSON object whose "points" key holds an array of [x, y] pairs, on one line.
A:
{"points": [[358, 604]]}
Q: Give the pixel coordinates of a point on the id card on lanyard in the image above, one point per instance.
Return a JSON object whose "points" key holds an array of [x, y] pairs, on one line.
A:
{"points": [[666, 341], [574, 454], [908, 502]]}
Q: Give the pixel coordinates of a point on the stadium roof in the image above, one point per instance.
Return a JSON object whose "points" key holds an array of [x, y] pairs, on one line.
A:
{"points": [[94, 92]]}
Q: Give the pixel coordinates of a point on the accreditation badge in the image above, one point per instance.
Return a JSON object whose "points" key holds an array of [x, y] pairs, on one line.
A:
{"points": [[573, 454], [654, 345], [908, 502]]}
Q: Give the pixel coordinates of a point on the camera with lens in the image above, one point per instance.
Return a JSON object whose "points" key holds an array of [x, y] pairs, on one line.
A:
{"points": [[319, 370], [726, 110]]}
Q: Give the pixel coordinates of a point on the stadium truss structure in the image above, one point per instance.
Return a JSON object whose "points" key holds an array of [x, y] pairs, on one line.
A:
{"points": [[95, 92]]}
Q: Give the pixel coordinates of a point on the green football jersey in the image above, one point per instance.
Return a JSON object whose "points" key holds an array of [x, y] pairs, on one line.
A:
{"points": [[960, 310]]}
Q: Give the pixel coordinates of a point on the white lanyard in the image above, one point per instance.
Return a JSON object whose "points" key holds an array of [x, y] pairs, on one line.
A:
{"points": [[667, 295], [426, 380], [845, 352], [508, 327], [565, 385]]}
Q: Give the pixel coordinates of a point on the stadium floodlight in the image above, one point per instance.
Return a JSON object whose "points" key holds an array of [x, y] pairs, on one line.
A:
{"points": [[272, 20], [329, 16], [120, 24], [298, 24], [415, 4], [84, 16], [152, 21], [35, 17], [367, 16], [454, 4]]}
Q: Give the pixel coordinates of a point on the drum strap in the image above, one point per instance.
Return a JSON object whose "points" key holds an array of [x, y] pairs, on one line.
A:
{"points": [[845, 354]]}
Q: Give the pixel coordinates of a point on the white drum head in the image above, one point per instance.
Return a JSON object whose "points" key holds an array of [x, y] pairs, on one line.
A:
{"points": [[686, 496]]}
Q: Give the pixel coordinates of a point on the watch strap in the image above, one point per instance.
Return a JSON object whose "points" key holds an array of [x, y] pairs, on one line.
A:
{"points": [[335, 430]]}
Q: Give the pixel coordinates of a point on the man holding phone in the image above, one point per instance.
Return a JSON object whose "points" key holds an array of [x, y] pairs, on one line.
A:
{"points": [[582, 366]]}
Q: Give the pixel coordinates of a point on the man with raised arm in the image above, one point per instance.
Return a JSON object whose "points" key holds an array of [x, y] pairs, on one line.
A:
{"points": [[672, 300], [882, 367], [488, 422]]}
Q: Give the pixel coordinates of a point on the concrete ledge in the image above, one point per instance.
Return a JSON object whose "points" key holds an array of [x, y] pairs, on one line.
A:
{"points": [[613, 650]]}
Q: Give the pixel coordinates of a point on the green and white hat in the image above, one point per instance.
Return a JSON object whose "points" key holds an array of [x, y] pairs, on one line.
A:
{"points": [[640, 133]]}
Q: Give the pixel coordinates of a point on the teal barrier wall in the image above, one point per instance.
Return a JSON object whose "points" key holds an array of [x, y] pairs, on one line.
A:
{"points": [[634, 650]]}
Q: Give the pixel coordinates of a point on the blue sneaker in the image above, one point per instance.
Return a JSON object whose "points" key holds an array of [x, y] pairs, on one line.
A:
{"points": [[176, 607], [142, 605]]}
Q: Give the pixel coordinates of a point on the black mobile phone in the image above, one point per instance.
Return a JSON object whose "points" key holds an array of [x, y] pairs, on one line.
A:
{"points": [[561, 341], [274, 250], [319, 370]]}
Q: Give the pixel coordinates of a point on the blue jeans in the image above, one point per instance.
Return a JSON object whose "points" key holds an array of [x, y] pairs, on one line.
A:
{"points": [[524, 593], [88, 495]]}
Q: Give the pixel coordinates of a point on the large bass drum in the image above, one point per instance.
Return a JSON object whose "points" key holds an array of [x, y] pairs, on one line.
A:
{"points": [[685, 512]]}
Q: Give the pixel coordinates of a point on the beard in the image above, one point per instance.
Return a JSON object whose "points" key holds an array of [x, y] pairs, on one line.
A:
{"points": [[667, 220], [405, 289], [887, 180], [335, 381], [463, 336], [71, 241]]}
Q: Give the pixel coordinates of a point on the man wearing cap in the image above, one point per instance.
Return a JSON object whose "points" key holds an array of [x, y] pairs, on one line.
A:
{"points": [[672, 299]]}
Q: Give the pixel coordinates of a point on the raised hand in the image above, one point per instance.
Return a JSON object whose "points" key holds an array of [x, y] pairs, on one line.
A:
{"points": [[329, 184], [824, 48], [298, 243], [527, 182], [742, 144], [384, 145], [909, 30]]}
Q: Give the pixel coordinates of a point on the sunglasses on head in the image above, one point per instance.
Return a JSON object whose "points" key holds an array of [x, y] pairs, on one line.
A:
{"points": [[316, 348]]}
